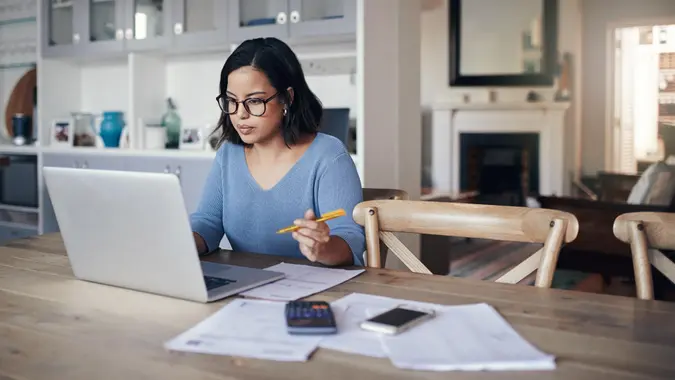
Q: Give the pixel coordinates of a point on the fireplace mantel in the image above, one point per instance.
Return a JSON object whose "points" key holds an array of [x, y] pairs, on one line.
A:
{"points": [[505, 106], [449, 120]]}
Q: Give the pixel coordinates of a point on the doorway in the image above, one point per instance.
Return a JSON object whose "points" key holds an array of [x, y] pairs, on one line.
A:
{"points": [[643, 96]]}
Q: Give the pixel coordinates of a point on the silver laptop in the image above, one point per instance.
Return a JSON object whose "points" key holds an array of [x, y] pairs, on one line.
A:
{"points": [[131, 230]]}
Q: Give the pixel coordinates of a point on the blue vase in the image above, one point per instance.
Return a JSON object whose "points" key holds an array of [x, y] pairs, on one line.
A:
{"points": [[111, 128]]}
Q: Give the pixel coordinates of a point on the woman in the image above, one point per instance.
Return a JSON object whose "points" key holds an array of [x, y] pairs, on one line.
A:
{"points": [[274, 168]]}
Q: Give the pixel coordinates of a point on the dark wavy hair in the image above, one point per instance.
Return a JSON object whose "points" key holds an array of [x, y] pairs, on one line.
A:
{"points": [[283, 70]]}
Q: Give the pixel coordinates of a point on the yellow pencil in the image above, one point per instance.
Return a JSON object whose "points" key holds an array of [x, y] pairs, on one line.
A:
{"points": [[323, 218]]}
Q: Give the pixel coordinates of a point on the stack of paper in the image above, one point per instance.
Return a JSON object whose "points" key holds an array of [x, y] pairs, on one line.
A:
{"points": [[301, 281], [246, 328], [467, 337]]}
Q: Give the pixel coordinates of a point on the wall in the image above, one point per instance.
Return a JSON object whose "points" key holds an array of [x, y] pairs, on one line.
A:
{"points": [[598, 16], [434, 81], [193, 83]]}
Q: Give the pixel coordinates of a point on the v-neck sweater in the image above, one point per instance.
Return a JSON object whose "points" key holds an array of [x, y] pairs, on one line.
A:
{"points": [[233, 204]]}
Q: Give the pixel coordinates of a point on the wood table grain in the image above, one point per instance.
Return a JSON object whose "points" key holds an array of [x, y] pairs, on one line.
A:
{"points": [[53, 326]]}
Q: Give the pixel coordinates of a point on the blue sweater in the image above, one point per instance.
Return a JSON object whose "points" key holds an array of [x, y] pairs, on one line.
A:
{"points": [[324, 179]]}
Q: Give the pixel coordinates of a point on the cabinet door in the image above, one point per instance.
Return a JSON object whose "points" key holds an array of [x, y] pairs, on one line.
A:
{"points": [[7, 234], [60, 36], [102, 162], [148, 24], [149, 164], [192, 173], [61, 160], [199, 23], [83, 161], [322, 17], [103, 26], [257, 18]]}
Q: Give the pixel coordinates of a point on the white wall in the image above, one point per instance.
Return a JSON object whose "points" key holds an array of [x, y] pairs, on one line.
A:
{"points": [[434, 66], [193, 84]]}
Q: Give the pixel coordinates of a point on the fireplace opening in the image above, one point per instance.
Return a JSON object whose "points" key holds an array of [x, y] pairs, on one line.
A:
{"points": [[502, 167]]}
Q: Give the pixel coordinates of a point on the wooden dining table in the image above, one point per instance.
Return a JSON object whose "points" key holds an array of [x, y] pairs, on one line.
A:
{"points": [[54, 326]]}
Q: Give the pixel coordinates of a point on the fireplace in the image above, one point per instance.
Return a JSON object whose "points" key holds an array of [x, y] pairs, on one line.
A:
{"points": [[502, 167]]}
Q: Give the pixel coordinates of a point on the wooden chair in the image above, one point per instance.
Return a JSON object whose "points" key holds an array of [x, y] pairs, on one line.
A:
{"points": [[648, 233], [534, 225], [371, 194]]}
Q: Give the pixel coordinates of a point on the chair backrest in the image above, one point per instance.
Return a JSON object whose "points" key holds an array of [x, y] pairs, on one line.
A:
{"points": [[371, 194], [521, 224], [648, 233]]}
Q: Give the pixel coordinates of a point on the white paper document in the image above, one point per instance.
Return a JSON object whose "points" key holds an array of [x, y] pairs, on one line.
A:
{"points": [[301, 281], [459, 338], [246, 328]]}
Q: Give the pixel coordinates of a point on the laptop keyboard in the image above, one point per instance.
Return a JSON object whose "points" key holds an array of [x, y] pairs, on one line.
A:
{"points": [[216, 282]]}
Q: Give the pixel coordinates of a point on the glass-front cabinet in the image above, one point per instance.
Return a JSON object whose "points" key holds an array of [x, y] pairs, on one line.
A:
{"points": [[258, 18], [198, 23], [322, 17], [89, 27], [59, 33], [104, 24], [148, 24]]}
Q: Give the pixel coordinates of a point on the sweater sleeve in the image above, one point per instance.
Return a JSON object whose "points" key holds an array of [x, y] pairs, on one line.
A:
{"points": [[207, 220], [340, 187]]}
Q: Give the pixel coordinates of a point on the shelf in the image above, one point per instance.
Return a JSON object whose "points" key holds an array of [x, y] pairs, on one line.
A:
{"points": [[12, 149], [130, 152], [18, 208], [20, 65], [22, 20], [18, 225]]}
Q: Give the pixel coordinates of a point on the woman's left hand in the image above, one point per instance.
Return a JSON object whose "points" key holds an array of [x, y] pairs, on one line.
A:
{"points": [[312, 236]]}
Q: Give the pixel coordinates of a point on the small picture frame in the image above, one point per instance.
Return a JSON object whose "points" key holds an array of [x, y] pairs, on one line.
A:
{"points": [[192, 138], [61, 133]]}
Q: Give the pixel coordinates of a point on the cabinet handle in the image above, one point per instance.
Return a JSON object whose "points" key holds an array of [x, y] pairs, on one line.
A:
{"points": [[295, 17], [178, 28], [281, 18], [167, 169], [119, 34], [129, 34], [177, 172], [76, 38]]}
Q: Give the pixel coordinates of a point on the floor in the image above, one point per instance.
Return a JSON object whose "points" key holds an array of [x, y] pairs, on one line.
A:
{"points": [[489, 259]]}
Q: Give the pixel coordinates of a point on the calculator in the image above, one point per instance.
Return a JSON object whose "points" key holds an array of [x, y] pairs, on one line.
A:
{"points": [[310, 318]]}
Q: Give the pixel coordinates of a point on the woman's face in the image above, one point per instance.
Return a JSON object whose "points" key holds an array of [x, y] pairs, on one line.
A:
{"points": [[261, 121]]}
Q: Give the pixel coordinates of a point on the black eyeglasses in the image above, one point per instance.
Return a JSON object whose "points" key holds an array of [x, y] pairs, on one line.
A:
{"points": [[253, 106]]}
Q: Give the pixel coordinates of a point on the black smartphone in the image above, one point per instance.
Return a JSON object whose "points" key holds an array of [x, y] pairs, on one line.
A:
{"points": [[397, 320]]}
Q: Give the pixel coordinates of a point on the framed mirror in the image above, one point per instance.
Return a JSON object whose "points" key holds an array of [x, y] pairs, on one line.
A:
{"points": [[502, 43]]}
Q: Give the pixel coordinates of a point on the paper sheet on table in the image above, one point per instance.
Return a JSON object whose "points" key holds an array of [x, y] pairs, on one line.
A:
{"points": [[246, 328], [467, 337], [225, 243], [301, 281], [350, 311]]}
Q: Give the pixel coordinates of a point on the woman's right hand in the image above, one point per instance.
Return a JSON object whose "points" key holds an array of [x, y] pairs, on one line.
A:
{"points": [[200, 243]]}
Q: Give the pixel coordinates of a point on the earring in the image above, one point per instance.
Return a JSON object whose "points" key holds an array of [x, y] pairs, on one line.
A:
{"points": [[285, 111]]}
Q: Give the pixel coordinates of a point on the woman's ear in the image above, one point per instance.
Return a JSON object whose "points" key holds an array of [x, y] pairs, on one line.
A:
{"points": [[291, 95]]}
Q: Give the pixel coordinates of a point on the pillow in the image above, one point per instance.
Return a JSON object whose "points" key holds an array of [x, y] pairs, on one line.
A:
{"points": [[656, 186]]}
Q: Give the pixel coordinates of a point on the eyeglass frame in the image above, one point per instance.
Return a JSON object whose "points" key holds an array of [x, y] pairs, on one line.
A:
{"points": [[243, 102]]}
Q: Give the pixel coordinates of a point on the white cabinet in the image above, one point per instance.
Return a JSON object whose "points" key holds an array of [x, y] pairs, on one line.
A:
{"points": [[192, 172], [72, 160]]}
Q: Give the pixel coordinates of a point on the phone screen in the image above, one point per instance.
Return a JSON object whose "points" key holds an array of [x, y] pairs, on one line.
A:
{"points": [[397, 317]]}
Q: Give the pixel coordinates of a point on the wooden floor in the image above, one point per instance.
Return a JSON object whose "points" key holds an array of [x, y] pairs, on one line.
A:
{"points": [[489, 259]]}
